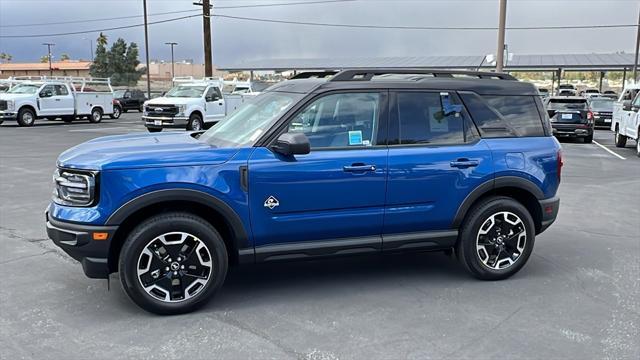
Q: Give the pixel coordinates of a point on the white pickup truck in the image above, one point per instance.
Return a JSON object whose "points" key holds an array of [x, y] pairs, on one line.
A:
{"points": [[191, 104], [32, 98], [626, 120]]}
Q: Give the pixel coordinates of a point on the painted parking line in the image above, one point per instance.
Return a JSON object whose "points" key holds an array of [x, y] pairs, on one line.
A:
{"points": [[610, 151], [109, 129]]}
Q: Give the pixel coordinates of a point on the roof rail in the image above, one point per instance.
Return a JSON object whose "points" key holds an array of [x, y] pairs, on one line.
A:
{"points": [[367, 74], [314, 74]]}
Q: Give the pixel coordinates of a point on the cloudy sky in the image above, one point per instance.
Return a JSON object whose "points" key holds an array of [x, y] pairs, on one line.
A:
{"points": [[235, 40]]}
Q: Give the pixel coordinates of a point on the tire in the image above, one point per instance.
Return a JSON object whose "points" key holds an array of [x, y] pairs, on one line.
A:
{"points": [[1, 121], [195, 123], [96, 115], [50, 118], [68, 119], [588, 139], [479, 259], [147, 247], [620, 140], [26, 117], [637, 144], [117, 111], [141, 108], [154, 130], [124, 110]]}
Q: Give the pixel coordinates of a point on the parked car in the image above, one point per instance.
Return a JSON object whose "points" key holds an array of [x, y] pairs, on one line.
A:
{"points": [[566, 90], [611, 94], [602, 109], [590, 92], [50, 98], [420, 160], [629, 125], [622, 113], [544, 93], [130, 99], [570, 117], [191, 104]]}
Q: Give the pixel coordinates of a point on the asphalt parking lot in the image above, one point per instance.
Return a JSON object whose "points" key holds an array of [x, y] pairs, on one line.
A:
{"points": [[578, 297]]}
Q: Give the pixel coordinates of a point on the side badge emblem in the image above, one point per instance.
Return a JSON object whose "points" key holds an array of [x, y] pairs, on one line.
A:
{"points": [[271, 203]]}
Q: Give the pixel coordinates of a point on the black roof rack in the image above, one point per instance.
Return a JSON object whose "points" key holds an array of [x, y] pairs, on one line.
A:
{"points": [[367, 74], [314, 74]]}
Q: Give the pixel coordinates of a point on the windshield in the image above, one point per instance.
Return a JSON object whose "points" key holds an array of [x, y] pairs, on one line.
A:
{"points": [[240, 90], [567, 104], [24, 89], [186, 91], [119, 93], [603, 105], [592, 91], [252, 119]]}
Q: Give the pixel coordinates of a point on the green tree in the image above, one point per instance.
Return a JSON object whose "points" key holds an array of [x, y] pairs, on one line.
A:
{"points": [[119, 63], [100, 65], [44, 58], [64, 57], [4, 57]]}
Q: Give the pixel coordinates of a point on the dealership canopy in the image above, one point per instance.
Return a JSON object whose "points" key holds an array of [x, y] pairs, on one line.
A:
{"points": [[592, 62]]}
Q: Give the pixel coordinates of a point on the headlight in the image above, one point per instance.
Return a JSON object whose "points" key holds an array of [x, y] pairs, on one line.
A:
{"points": [[181, 108], [11, 105], [74, 187]]}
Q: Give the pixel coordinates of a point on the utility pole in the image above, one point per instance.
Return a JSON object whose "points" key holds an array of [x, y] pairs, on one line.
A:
{"points": [[635, 62], [90, 46], [173, 74], [206, 23], [502, 21], [146, 47], [49, 45]]}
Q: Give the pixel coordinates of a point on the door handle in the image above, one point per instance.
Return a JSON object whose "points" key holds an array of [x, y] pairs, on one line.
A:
{"points": [[359, 168], [464, 163]]}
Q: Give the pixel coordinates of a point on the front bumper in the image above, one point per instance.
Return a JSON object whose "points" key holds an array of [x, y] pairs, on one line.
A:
{"points": [[77, 241], [550, 208], [8, 115], [159, 122]]}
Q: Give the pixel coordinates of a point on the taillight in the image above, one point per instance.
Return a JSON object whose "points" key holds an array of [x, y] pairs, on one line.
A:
{"points": [[590, 115], [559, 165]]}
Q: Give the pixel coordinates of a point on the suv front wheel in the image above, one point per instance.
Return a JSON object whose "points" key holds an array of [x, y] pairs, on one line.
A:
{"points": [[173, 263], [496, 239]]}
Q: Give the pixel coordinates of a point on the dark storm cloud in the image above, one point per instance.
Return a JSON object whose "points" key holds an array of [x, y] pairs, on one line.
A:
{"points": [[235, 39]]}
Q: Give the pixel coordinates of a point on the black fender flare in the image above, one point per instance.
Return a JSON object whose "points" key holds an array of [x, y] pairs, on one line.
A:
{"points": [[200, 197], [490, 185]]}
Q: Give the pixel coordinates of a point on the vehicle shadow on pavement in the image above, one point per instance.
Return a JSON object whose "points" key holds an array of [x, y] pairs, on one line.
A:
{"points": [[51, 123]]}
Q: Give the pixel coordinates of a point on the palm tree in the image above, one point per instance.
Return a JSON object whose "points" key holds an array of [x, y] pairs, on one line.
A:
{"points": [[102, 39]]}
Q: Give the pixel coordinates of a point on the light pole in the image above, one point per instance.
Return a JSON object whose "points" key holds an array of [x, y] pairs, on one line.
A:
{"points": [[172, 44], [90, 46], [635, 61], [501, 26], [49, 45], [146, 48]]}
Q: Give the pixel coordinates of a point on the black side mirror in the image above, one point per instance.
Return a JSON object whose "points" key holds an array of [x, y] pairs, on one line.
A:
{"points": [[292, 144], [626, 105], [46, 94]]}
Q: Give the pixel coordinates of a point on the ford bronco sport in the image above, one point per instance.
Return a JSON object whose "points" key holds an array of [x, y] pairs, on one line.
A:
{"points": [[366, 161]]}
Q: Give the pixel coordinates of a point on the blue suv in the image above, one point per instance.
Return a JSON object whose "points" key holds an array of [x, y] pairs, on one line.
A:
{"points": [[355, 162]]}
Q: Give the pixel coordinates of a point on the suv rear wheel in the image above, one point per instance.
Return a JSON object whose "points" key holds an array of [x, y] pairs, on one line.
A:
{"points": [[496, 239], [173, 263]]}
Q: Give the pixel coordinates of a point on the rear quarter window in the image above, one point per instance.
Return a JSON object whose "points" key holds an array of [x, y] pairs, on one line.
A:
{"points": [[505, 116]]}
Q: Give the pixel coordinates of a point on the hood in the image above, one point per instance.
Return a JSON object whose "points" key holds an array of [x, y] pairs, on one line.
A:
{"points": [[142, 151], [7, 96], [171, 101]]}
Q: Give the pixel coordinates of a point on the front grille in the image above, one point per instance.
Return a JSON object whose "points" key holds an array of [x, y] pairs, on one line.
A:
{"points": [[3, 104], [161, 110]]}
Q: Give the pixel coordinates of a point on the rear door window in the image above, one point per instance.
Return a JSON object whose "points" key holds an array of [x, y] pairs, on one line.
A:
{"points": [[430, 118], [505, 116]]}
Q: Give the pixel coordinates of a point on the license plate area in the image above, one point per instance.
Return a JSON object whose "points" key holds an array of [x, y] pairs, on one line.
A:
{"points": [[157, 122]]}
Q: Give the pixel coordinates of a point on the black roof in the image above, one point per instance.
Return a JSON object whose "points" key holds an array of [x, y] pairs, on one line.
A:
{"points": [[483, 83]]}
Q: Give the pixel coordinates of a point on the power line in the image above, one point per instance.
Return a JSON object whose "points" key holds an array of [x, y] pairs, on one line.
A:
{"points": [[100, 30], [100, 19], [400, 27], [179, 12]]}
